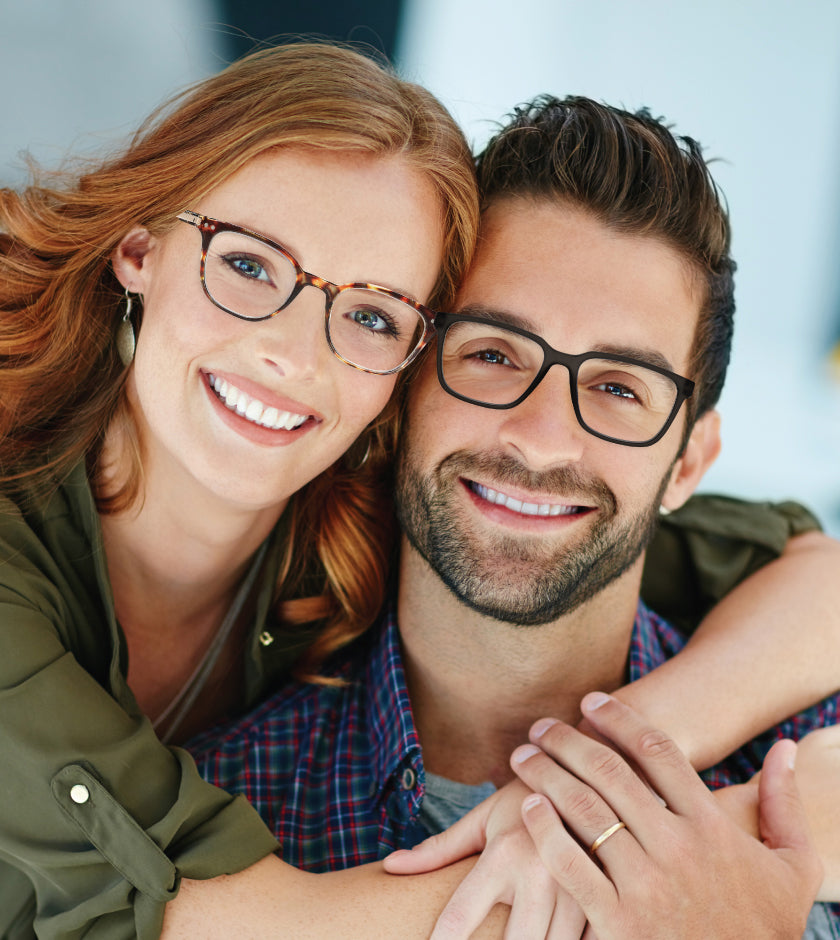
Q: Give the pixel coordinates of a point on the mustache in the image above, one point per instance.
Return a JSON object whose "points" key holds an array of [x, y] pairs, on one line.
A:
{"points": [[504, 469]]}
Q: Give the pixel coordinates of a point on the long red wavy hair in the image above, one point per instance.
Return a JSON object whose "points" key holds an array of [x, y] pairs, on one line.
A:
{"points": [[61, 380]]}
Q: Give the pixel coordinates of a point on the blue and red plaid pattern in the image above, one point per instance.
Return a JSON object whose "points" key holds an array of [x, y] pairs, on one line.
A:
{"points": [[337, 771]]}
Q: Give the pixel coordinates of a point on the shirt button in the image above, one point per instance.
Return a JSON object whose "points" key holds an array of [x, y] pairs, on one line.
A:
{"points": [[409, 779], [79, 793], [266, 638]]}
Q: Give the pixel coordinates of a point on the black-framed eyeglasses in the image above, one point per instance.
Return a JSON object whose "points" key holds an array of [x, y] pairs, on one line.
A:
{"points": [[615, 397], [372, 328]]}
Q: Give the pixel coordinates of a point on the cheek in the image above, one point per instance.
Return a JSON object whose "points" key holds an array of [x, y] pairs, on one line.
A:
{"points": [[363, 396]]}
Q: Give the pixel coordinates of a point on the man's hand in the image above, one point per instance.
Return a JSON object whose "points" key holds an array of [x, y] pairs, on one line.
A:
{"points": [[679, 868]]}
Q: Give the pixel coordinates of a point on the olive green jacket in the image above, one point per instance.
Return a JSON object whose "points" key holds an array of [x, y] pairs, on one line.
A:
{"points": [[104, 820]]}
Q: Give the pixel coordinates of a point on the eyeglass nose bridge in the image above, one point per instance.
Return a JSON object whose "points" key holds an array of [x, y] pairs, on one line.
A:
{"points": [[305, 279], [553, 357]]}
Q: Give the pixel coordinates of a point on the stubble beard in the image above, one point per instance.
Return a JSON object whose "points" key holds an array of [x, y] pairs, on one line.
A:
{"points": [[518, 580]]}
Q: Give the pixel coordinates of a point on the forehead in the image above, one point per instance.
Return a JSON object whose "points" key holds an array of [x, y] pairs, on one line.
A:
{"points": [[558, 271], [346, 216]]}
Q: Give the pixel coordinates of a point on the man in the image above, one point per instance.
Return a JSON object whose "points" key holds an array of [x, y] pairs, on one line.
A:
{"points": [[532, 471]]}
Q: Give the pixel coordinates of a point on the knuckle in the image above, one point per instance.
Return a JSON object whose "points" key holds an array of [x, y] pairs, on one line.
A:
{"points": [[607, 765], [656, 745], [583, 803]]}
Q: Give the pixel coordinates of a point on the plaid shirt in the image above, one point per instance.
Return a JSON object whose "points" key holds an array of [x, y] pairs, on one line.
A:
{"points": [[337, 771]]}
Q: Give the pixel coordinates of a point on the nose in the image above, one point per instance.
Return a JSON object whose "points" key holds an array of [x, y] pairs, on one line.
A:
{"points": [[543, 430], [294, 340]]}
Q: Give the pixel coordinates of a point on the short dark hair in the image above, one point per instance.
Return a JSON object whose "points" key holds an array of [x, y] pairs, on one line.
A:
{"points": [[631, 172]]}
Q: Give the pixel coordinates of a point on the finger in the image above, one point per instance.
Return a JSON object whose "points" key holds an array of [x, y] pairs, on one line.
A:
{"points": [[783, 823], [658, 757], [471, 902], [465, 837], [565, 860], [532, 911], [568, 921], [581, 807]]}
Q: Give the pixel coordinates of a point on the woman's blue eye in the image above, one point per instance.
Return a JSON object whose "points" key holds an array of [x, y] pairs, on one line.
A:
{"points": [[372, 320], [249, 267]]}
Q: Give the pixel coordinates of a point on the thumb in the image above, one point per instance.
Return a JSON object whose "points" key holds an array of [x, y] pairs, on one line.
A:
{"points": [[465, 837], [783, 823]]}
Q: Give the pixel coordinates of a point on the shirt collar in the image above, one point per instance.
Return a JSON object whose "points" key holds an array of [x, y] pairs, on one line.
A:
{"points": [[395, 746]]}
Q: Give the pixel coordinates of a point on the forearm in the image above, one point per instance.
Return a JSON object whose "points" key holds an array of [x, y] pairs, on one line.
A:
{"points": [[752, 662], [271, 899]]}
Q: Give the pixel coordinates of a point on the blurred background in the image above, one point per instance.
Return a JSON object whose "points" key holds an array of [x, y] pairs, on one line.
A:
{"points": [[758, 82]]}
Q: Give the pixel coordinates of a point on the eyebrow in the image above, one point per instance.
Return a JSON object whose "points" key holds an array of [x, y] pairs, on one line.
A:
{"points": [[646, 355]]}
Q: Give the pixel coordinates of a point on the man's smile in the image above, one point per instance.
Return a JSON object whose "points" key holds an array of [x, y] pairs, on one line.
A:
{"points": [[520, 506]]}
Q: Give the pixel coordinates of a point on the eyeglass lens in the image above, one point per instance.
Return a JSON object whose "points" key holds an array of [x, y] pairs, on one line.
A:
{"points": [[368, 328], [491, 365]]}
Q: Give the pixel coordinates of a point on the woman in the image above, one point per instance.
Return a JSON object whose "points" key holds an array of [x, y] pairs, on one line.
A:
{"points": [[155, 421]]}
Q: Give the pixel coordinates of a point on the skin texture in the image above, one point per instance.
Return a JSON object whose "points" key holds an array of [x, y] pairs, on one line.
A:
{"points": [[594, 270], [214, 484]]}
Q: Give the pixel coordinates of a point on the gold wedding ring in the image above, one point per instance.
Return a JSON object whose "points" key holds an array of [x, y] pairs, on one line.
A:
{"points": [[605, 835]]}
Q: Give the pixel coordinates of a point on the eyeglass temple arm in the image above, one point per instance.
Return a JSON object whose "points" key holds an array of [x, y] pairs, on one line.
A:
{"points": [[191, 218]]}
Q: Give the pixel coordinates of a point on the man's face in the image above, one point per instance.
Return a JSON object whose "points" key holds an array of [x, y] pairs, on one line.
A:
{"points": [[521, 512]]}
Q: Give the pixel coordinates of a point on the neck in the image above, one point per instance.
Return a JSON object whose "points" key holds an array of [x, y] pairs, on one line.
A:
{"points": [[477, 684], [175, 559]]}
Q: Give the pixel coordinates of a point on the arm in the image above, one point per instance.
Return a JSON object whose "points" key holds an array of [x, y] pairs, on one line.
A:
{"points": [[271, 899], [728, 680], [147, 838]]}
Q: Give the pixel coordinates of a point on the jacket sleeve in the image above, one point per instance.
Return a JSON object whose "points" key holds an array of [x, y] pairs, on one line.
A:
{"points": [[712, 543], [101, 818]]}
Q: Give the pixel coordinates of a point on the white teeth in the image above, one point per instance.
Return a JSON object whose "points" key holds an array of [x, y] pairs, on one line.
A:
{"points": [[269, 416], [254, 410], [516, 505]]}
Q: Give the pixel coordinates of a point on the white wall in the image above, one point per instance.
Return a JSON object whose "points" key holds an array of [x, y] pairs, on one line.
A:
{"points": [[758, 82], [78, 74]]}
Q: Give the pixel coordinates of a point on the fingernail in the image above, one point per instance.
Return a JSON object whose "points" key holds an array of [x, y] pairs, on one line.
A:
{"points": [[530, 802], [523, 752], [539, 728], [594, 701]]}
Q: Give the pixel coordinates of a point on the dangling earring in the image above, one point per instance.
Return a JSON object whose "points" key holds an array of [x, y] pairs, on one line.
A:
{"points": [[125, 334], [356, 465]]}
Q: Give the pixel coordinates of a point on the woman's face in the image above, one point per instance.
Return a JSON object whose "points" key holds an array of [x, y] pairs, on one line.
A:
{"points": [[344, 217]]}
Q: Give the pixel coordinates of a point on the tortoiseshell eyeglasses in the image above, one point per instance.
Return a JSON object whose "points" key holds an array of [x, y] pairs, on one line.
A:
{"points": [[372, 328]]}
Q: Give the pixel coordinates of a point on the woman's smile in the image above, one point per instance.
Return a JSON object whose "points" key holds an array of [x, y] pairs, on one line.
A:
{"points": [[266, 420], [273, 382]]}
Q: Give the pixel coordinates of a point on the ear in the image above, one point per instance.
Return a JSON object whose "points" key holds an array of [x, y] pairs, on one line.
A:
{"points": [[700, 453], [129, 259]]}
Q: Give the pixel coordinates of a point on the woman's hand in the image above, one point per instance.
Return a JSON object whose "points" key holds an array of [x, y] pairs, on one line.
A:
{"points": [[681, 867], [509, 871]]}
